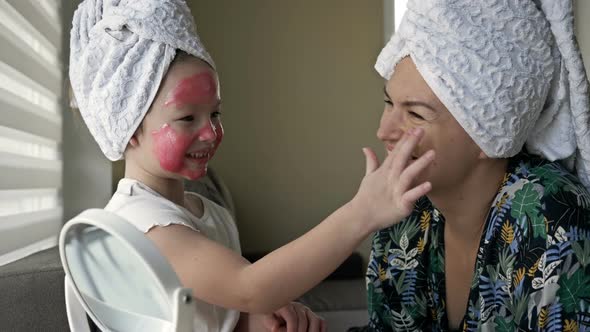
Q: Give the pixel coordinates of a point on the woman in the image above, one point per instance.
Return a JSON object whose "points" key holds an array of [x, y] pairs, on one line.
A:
{"points": [[502, 241]]}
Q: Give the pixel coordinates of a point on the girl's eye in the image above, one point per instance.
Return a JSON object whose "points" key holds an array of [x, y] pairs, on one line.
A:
{"points": [[215, 115], [188, 118], [416, 115], [388, 102]]}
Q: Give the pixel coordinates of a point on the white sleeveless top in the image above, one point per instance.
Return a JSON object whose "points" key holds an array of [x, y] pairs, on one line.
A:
{"points": [[145, 208]]}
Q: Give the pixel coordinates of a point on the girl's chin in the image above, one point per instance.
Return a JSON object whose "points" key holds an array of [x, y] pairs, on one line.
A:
{"points": [[193, 175]]}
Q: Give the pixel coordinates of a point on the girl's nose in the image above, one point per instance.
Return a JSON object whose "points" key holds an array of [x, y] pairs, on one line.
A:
{"points": [[207, 133]]}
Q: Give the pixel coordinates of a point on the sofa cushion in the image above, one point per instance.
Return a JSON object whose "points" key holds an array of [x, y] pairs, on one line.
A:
{"points": [[32, 294]]}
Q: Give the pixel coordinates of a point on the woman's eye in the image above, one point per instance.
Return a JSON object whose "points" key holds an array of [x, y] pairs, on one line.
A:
{"points": [[188, 118], [388, 102], [416, 115], [215, 115]]}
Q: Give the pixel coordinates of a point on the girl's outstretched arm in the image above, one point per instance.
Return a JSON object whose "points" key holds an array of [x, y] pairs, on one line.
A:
{"points": [[219, 276]]}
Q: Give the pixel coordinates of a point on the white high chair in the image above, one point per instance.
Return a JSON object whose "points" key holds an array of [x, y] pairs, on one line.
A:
{"points": [[119, 278]]}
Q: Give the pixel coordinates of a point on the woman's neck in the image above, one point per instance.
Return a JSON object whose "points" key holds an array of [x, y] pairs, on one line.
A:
{"points": [[465, 206], [171, 189]]}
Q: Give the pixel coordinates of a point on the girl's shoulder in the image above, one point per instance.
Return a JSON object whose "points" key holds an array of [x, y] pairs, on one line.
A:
{"points": [[144, 208], [208, 206]]}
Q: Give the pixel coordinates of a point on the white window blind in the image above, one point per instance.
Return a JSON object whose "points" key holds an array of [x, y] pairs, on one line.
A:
{"points": [[31, 80]]}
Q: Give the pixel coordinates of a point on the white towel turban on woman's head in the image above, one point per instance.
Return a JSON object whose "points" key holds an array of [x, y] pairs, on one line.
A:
{"points": [[509, 71], [120, 51]]}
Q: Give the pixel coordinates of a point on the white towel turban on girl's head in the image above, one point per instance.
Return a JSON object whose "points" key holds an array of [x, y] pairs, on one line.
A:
{"points": [[120, 52], [510, 72]]}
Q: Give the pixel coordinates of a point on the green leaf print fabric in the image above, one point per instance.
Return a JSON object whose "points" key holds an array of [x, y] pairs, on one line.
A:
{"points": [[532, 271]]}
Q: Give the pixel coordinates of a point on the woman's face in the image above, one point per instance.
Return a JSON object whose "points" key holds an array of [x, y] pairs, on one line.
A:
{"points": [[410, 103], [182, 130]]}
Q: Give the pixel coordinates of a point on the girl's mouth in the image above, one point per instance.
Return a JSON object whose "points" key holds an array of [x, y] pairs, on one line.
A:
{"points": [[197, 155]]}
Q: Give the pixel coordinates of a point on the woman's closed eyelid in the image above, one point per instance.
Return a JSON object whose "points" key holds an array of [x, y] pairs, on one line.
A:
{"points": [[416, 115]]}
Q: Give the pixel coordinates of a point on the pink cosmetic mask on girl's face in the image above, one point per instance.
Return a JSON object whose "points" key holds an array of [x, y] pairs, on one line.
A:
{"points": [[194, 90], [173, 149]]}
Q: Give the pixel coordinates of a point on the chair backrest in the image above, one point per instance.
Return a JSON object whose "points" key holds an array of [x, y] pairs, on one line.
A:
{"points": [[120, 278]]}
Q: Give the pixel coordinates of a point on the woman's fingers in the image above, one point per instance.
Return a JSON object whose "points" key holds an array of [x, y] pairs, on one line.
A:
{"points": [[289, 315], [372, 163], [301, 318], [414, 169], [315, 322], [271, 322]]}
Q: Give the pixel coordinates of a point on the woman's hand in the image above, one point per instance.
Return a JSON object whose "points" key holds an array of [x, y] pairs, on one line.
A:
{"points": [[256, 322], [386, 194], [294, 317]]}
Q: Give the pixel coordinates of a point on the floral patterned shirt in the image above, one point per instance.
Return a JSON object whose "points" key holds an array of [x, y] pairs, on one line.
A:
{"points": [[532, 271]]}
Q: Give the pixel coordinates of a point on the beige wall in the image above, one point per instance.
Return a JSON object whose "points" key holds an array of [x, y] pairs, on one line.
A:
{"points": [[582, 10], [300, 99], [87, 173]]}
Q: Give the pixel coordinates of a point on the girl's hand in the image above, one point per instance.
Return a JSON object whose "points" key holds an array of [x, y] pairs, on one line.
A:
{"points": [[386, 194]]}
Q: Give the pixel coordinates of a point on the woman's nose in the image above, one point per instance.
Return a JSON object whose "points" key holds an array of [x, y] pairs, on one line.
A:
{"points": [[391, 126]]}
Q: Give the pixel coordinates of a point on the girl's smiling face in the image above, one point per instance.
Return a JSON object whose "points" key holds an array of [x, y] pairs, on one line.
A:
{"points": [[182, 130]]}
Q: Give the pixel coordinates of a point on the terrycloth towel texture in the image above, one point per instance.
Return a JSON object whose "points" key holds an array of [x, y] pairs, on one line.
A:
{"points": [[510, 72], [120, 52]]}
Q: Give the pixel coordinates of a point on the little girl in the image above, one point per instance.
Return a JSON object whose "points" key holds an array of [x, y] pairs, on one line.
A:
{"points": [[149, 93]]}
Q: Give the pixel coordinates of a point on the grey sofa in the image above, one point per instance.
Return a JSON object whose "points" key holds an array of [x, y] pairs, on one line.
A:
{"points": [[32, 289], [32, 294]]}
